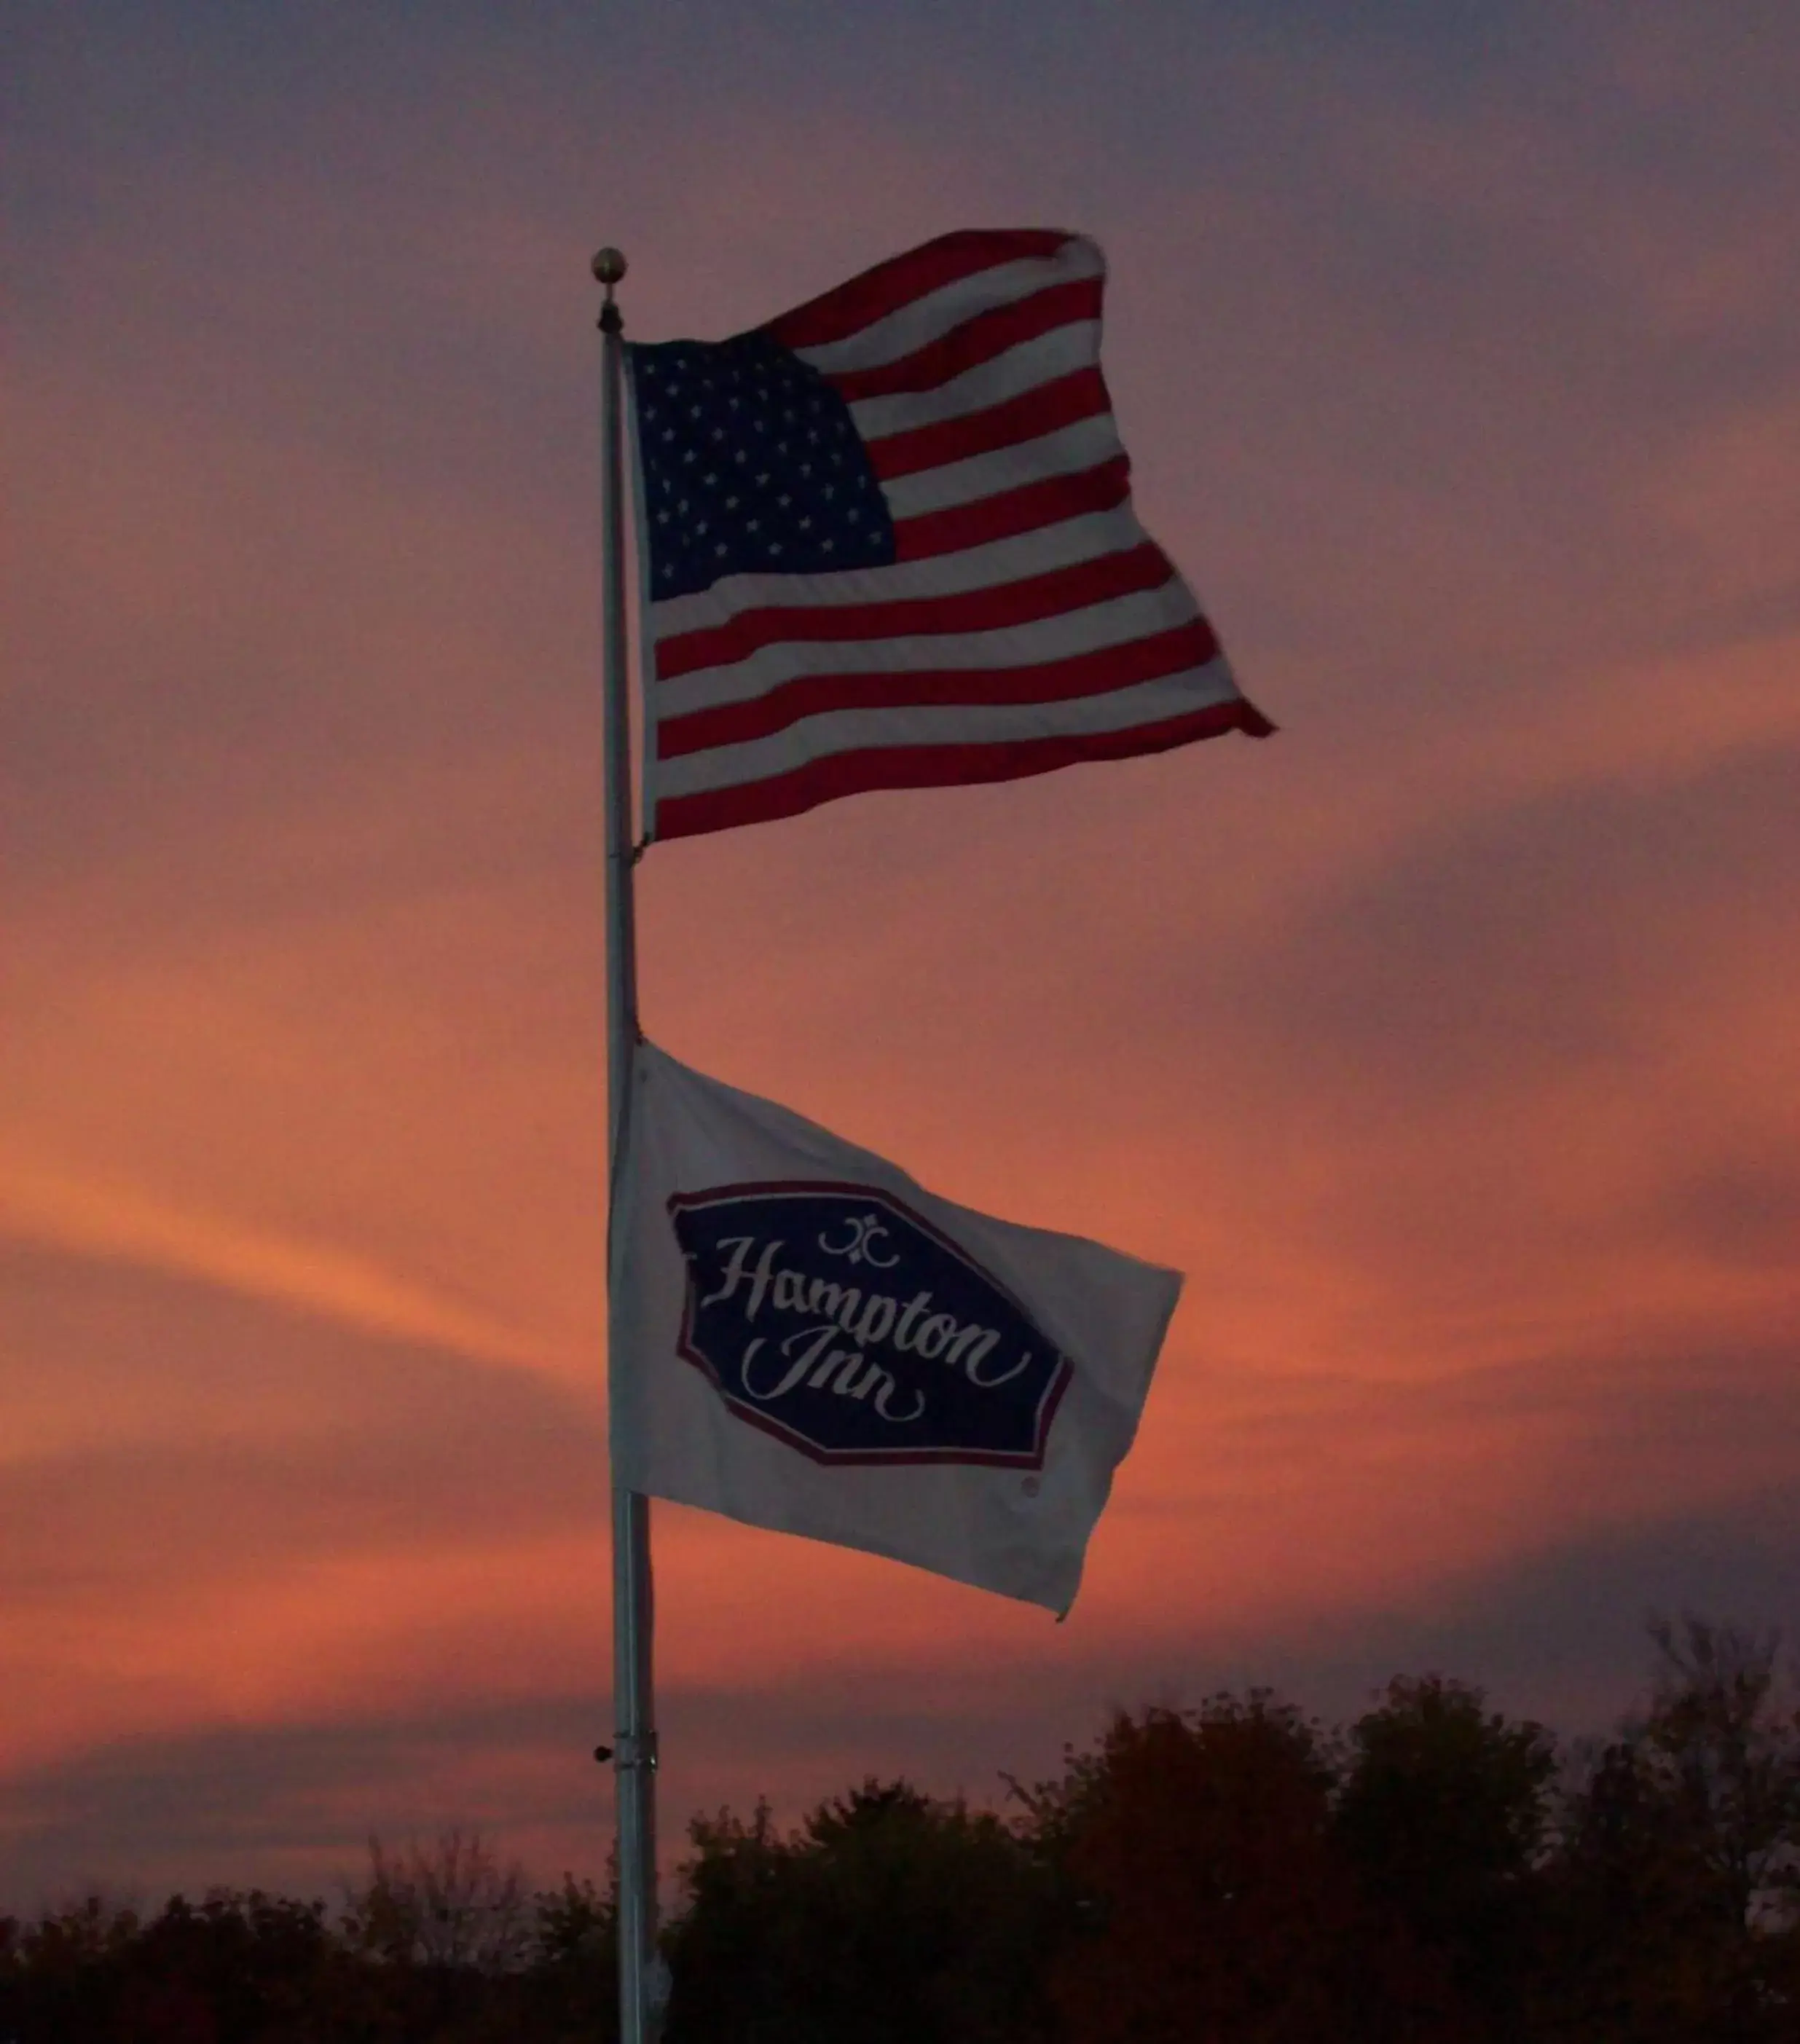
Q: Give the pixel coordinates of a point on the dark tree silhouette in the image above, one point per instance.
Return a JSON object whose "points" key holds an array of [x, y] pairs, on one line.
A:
{"points": [[1674, 1918], [1723, 1739], [887, 1917], [1232, 1874], [1214, 1903], [1443, 1815]]}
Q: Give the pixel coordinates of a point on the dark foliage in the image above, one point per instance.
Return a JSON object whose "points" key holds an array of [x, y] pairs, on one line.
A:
{"points": [[440, 1947], [1675, 1891], [1442, 1815], [1235, 1874], [886, 1917]]}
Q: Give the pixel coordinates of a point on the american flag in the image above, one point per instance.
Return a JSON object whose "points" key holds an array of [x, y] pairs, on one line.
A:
{"points": [[888, 542]]}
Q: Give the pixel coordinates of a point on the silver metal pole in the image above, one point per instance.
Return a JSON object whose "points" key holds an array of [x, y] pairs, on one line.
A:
{"points": [[643, 1978]]}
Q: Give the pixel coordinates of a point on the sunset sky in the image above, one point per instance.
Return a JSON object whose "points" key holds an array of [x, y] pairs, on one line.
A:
{"points": [[1448, 1041]]}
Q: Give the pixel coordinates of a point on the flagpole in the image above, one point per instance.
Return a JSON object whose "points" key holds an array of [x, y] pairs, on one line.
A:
{"points": [[643, 1988]]}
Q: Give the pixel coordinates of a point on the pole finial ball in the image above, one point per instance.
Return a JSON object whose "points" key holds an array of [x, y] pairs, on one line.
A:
{"points": [[610, 266]]}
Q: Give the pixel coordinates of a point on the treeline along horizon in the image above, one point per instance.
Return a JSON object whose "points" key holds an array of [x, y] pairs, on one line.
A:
{"points": [[1434, 1872]]}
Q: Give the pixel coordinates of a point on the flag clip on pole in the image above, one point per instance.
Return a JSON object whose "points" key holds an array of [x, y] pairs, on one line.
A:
{"points": [[643, 1977]]}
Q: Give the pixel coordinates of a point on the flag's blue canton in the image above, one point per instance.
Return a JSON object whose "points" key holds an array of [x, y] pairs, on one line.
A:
{"points": [[752, 465]]}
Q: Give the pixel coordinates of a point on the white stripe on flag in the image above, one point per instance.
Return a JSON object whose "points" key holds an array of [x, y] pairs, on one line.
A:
{"points": [[1075, 540], [928, 319], [1085, 444], [1117, 621], [1059, 352], [948, 723]]}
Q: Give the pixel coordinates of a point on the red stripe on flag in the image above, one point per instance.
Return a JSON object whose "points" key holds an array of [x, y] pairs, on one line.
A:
{"points": [[1008, 512], [976, 341], [1097, 673], [939, 766], [1081, 394], [1023, 602], [890, 285]]}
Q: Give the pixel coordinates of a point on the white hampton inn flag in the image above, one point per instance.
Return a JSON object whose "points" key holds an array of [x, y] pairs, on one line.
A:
{"points": [[811, 1341]]}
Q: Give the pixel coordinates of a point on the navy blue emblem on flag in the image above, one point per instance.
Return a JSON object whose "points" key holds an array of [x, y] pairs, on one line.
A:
{"points": [[837, 1318], [752, 465]]}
